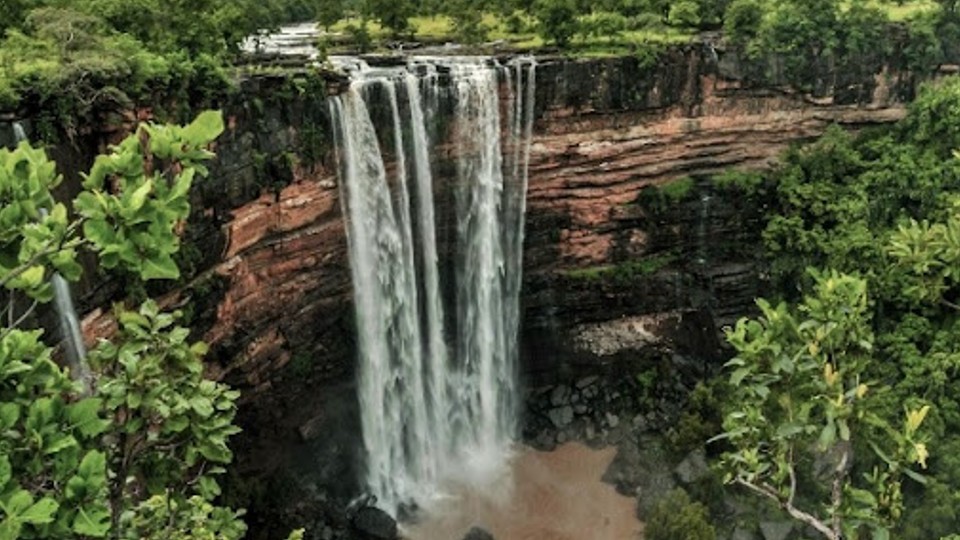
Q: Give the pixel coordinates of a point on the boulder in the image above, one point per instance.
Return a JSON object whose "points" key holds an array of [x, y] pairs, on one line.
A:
{"points": [[560, 396], [693, 467], [561, 416], [374, 524], [478, 533]]}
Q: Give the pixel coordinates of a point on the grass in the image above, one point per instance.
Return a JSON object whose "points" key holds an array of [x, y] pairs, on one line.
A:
{"points": [[439, 29], [677, 190], [899, 13]]}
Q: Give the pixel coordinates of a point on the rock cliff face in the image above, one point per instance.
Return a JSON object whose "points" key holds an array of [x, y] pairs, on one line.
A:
{"points": [[612, 263], [271, 236], [604, 243]]}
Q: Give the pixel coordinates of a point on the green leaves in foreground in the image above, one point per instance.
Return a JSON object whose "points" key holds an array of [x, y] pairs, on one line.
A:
{"points": [[33, 227], [138, 458], [137, 196], [51, 480], [799, 393], [172, 425]]}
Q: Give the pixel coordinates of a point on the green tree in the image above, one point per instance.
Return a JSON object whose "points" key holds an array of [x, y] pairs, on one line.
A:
{"points": [[676, 516], [557, 20], [393, 15], [136, 455], [741, 21], [684, 13], [602, 24], [467, 19], [837, 203], [799, 391], [329, 13]]}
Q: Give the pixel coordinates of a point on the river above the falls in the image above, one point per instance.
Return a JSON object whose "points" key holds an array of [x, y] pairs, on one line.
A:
{"points": [[556, 495]]}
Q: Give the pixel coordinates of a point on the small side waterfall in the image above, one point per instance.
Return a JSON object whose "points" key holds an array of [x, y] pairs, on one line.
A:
{"points": [[437, 378], [71, 334]]}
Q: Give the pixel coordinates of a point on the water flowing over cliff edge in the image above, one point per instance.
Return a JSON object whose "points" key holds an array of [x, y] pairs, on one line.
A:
{"points": [[435, 402]]}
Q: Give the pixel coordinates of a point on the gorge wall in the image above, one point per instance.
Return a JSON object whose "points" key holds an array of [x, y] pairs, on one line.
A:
{"points": [[271, 270], [613, 262]]}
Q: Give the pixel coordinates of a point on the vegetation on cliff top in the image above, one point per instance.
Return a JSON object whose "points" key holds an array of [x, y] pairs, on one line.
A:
{"points": [[73, 56]]}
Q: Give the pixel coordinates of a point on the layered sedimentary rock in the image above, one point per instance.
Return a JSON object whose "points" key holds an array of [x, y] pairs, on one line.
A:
{"points": [[605, 131], [601, 245], [610, 264]]}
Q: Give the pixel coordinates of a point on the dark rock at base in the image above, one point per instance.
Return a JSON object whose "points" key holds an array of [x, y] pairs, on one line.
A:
{"points": [[561, 416], [477, 533], [375, 524], [693, 467], [641, 469]]}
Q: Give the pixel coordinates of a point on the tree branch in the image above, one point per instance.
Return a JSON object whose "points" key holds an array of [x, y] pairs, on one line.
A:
{"points": [[49, 250], [788, 506], [836, 498], [14, 324], [949, 304]]}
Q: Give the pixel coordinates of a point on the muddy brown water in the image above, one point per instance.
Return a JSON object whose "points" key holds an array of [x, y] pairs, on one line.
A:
{"points": [[554, 495]]}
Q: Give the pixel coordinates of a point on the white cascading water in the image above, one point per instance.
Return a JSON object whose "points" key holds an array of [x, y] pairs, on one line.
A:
{"points": [[437, 380], [72, 336]]}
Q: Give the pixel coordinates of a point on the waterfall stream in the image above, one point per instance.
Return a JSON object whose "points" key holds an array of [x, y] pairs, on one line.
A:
{"points": [[71, 334], [437, 372]]}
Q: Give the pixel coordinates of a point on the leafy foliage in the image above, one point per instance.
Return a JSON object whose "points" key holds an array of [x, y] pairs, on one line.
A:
{"points": [[676, 516], [799, 385], [557, 19], [136, 229], [137, 456], [52, 476], [883, 206]]}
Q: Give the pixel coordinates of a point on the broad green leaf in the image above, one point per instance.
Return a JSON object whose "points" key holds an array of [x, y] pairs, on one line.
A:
{"points": [[9, 414], [738, 375], [201, 406], [182, 185], [93, 522], [18, 502], [93, 465], [161, 267], [40, 512], [177, 424], [99, 232], [215, 452], [85, 416], [828, 436], [59, 443], [138, 198], [204, 129], [209, 489], [32, 277], [10, 528]]}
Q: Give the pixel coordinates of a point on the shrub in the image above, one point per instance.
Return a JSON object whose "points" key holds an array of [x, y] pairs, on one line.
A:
{"points": [[684, 13], [676, 517]]}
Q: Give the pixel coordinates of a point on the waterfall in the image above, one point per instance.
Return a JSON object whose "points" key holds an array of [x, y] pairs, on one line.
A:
{"points": [[437, 372], [71, 334]]}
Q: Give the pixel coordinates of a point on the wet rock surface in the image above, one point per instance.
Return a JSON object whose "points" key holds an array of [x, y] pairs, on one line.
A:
{"points": [[374, 524], [477, 533]]}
